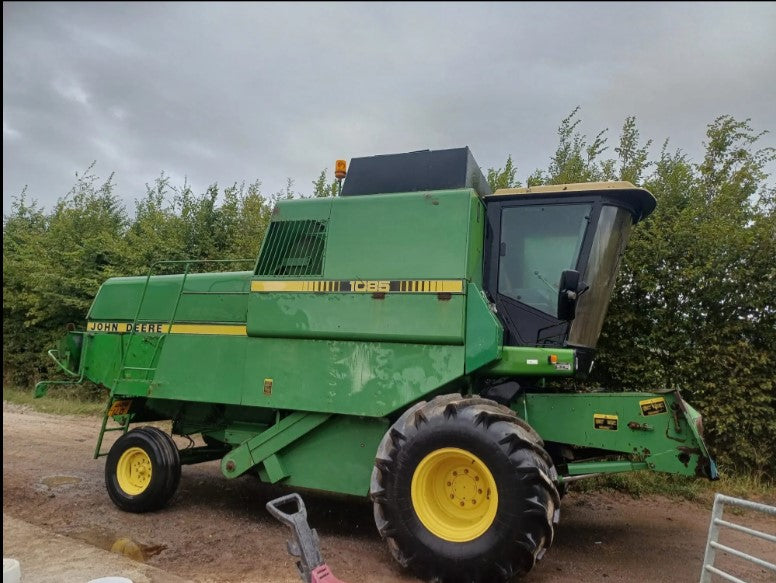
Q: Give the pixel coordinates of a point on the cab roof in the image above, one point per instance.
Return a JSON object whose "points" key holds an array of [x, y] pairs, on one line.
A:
{"points": [[638, 198]]}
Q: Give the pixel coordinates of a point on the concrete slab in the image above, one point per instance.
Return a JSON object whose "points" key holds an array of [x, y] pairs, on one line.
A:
{"points": [[46, 557]]}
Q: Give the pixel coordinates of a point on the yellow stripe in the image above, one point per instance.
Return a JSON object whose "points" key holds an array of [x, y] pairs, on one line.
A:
{"points": [[219, 329], [159, 328], [412, 286], [450, 286], [280, 286]]}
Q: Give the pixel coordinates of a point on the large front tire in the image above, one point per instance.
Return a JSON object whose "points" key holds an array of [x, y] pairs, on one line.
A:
{"points": [[143, 470], [462, 491]]}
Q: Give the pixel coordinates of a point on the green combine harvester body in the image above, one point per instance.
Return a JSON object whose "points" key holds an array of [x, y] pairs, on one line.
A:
{"points": [[370, 314]]}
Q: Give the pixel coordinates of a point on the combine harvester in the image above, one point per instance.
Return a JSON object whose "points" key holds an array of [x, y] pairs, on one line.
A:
{"points": [[395, 342]]}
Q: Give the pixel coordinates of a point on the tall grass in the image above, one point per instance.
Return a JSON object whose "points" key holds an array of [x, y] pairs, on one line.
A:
{"points": [[638, 484], [59, 401]]}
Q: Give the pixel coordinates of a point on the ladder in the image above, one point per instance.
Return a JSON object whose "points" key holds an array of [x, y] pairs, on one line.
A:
{"points": [[136, 379]]}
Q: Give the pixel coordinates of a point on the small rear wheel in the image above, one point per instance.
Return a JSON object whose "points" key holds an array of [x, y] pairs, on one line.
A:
{"points": [[143, 470]]}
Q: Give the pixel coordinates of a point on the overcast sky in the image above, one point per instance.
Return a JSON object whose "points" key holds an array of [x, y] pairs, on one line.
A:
{"points": [[229, 92]]}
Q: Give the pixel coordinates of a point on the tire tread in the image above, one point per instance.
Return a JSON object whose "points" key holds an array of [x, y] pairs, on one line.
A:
{"points": [[530, 461]]}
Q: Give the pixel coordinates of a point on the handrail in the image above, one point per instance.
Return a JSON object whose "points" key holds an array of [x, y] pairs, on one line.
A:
{"points": [[62, 366], [41, 387], [187, 263]]}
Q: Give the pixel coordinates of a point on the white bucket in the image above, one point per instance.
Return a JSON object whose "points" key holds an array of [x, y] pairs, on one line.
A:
{"points": [[12, 572]]}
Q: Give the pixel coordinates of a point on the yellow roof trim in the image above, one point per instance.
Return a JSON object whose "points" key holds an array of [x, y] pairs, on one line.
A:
{"points": [[576, 187]]}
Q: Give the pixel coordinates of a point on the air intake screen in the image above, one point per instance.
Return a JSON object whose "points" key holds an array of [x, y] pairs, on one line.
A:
{"points": [[293, 248]]}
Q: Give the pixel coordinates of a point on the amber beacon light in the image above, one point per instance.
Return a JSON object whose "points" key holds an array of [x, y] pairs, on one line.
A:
{"points": [[340, 169]]}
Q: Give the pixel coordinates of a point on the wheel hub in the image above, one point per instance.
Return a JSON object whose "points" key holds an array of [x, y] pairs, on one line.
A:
{"points": [[454, 494], [133, 471], [462, 486]]}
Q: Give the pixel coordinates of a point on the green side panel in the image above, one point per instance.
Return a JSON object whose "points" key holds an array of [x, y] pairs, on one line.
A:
{"points": [[531, 361], [396, 317], [204, 368], [483, 331], [395, 236], [355, 378], [70, 346], [651, 427], [417, 235], [207, 297], [338, 456], [312, 450], [102, 355]]}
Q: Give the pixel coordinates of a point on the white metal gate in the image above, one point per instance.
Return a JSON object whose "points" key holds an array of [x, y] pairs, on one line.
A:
{"points": [[712, 545]]}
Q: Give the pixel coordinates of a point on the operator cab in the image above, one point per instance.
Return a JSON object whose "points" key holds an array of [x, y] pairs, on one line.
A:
{"points": [[552, 256]]}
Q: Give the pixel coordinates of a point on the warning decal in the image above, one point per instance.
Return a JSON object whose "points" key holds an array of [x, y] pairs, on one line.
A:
{"points": [[607, 422], [653, 406], [119, 408]]}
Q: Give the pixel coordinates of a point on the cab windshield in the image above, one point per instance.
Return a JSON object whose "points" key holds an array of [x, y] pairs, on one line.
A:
{"points": [[538, 242], [611, 237]]}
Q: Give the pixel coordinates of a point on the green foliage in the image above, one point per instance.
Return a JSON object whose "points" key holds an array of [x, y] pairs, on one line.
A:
{"points": [[53, 266], [633, 157], [23, 235], [503, 177], [323, 187], [695, 307], [575, 160], [175, 224]]}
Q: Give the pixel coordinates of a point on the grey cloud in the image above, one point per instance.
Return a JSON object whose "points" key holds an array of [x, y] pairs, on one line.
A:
{"points": [[224, 92]]}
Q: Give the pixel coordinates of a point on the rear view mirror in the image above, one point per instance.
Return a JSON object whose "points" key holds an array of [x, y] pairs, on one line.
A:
{"points": [[568, 292]]}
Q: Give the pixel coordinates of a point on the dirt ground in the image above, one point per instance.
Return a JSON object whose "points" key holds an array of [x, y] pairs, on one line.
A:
{"points": [[217, 530]]}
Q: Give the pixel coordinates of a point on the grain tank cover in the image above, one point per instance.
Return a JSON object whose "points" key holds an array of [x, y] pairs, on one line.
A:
{"points": [[415, 171]]}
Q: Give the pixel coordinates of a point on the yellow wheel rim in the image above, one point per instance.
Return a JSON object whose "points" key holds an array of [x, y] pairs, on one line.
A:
{"points": [[133, 471], [454, 494]]}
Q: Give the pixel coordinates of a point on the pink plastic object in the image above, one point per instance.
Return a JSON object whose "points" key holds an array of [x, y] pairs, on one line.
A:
{"points": [[321, 574]]}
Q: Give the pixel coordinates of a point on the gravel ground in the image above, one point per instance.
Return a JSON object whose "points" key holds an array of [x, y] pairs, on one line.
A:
{"points": [[217, 530]]}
